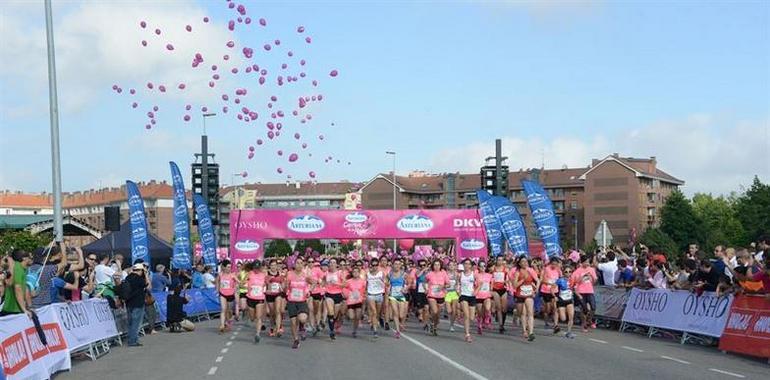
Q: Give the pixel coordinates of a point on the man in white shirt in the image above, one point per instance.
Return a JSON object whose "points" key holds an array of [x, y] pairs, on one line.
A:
{"points": [[209, 281], [762, 247], [103, 273], [608, 269]]}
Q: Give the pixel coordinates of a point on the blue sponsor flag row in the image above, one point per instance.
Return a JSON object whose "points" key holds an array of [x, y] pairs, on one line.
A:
{"points": [[491, 223], [182, 256], [544, 217], [512, 225], [140, 247], [206, 231]]}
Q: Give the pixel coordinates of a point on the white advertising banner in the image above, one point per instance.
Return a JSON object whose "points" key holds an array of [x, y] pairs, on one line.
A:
{"points": [[85, 322], [23, 355], [678, 310]]}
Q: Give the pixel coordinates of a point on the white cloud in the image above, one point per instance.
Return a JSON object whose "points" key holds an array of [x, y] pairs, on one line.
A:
{"points": [[709, 154]]}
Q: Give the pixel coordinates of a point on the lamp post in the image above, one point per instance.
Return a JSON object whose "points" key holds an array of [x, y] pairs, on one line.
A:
{"points": [[237, 189], [205, 158], [53, 104], [393, 153]]}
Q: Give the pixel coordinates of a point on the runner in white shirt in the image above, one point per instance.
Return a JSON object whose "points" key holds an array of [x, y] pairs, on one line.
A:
{"points": [[375, 288]]}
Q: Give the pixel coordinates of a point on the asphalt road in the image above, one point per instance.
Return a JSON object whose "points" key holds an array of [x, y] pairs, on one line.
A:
{"points": [[600, 354]]}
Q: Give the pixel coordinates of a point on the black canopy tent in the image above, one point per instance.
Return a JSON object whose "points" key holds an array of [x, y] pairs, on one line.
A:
{"points": [[120, 242]]}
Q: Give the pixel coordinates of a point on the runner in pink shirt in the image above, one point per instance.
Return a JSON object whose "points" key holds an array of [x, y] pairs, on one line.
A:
{"points": [[297, 287], [551, 273], [226, 284], [275, 298], [315, 303], [499, 291], [526, 283], [256, 284], [334, 282], [584, 278], [355, 292], [484, 297], [438, 280]]}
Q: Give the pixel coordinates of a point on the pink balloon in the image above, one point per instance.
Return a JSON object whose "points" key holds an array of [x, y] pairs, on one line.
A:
{"points": [[259, 141], [295, 112], [277, 133], [234, 70], [333, 73], [187, 107], [150, 114], [248, 69], [315, 83], [303, 121], [313, 98], [278, 126], [215, 76], [245, 110], [204, 109], [274, 98], [304, 145], [149, 85], [309, 117], [321, 97], [290, 53], [225, 57], [296, 135], [230, 44], [132, 91], [181, 86], [148, 126], [279, 170], [301, 102], [224, 109], [205, 19], [311, 174], [120, 90], [245, 174], [188, 28], [247, 20], [277, 42], [253, 115], [302, 62], [211, 84], [320, 137], [157, 31], [270, 125], [302, 74], [255, 67], [308, 40], [248, 52], [115, 87], [231, 5], [251, 148], [241, 9], [262, 22], [261, 80], [186, 118], [237, 101], [143, 24], [280, 152], [267, 47], [280, 113], [225, 97], [263, 72], [293, 157], [134, 105], [155, 108], [284, 66], [231, 25], [240, 117], [251, 155], [246, 119], [162, 88], [152, 121], [300, 29]]}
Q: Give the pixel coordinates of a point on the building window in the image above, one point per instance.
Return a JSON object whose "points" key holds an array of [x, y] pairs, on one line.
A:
{"points": [[558, 206], [573, 205], [490, 182], [652, 197], [651, 211]]}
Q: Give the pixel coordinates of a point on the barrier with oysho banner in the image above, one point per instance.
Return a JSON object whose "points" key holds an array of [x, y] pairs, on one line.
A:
{"points": [[610, 302], [678, 310], [748, 327], [85, 322], [23, 355], [250, 228]]}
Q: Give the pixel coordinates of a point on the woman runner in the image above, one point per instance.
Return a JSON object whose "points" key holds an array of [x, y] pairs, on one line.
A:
{"points": [[375, 289], [438, 280], [467, 289], [550, 274], [421, 297], [583, 278], [397, 305], [255, 296], [297, 285], [315, 303], [275, 298], [334, 282], [354, 289], [452, 297], [526, 283], [564, 301], [483, 297], [243, 272], [500, 293], [226, 284]]}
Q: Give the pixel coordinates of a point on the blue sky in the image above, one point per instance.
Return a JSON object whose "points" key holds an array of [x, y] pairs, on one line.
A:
{"points": [[686, 82]]}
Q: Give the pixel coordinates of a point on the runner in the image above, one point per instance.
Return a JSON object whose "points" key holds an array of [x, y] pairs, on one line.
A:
{"points": [[583, 279], [385, 268], [315, 303], [255, 297], [334, 282], [397, 305], [297, 285], [243, 273], [438, 280], [420, 297], [275, 298], [354, 290], [226, 284], [526, 283], [564, 301], [452, 297], [548, 288], [467, 289], [483, 297], [375, 289], [499, 292]]}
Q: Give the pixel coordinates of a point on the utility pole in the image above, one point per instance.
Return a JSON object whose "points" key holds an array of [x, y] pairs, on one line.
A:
{"points": [[53, 105]]}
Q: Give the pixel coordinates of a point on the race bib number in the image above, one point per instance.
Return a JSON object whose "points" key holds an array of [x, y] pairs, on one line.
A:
{"points": [[226, 284], [396, 290], [499, 277], [586, 278], [565, 295], [526, 290], [550, 281], [256, 290], [332, 279], [355, 296], [376, 287], [421, 288], [467, 289], [435, 290], [275, 287], [297, 294], [484, 287]]}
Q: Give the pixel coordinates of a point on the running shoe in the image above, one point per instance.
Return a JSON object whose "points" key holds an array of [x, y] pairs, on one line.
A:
{"points": [[315, 332], [593, 325], [271, 333], [425, 327], [221, 329], [333, 336], [376, 335], [355, 334], [387, 326], [502, 330], [295, 345], [468, 338], [547, 324], [570, 335], [397, 335], [322, 325], [452, 328], [263, 328], [556, 329], [434, 331], [479, 330], [303, 335], [531, 337], [256, 339], [280, 332]]}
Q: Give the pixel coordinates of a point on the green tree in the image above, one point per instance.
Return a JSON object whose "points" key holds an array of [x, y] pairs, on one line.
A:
{"points": [[659, 241], [277, 248], [679, 222], [313, 244], [10, 240], [753, 210], [719, 222]]}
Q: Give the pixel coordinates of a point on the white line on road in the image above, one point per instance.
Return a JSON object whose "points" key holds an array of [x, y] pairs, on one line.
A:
{"points": [[674, 359], [229, 344], [212, 371], [449, 361], [632, 349], [726, 372], [224, 350], [232, 337], [598, 340], [219, 359], [236, 333]]}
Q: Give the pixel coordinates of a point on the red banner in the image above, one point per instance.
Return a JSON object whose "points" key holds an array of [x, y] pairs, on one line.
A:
{"points": [[748, 327]]}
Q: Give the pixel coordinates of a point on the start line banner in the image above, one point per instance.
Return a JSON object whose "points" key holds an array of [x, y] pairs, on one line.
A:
{"points": [[678, 310], [23, 355]]}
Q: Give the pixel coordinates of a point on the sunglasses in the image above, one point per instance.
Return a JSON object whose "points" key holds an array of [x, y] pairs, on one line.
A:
{"points": [[91, 259]]}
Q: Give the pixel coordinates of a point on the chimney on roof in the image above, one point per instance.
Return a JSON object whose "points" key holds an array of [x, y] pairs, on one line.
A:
{"points": [[653, 164]]}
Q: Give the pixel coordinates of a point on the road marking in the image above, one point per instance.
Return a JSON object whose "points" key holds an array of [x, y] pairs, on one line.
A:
{"points": [[598, 340], [219, 359], [674, 359], [229, 344], [232, 337], [726, 372], [224, 350], [449, 361], [212, 371], [632, 349], [236, 333]]}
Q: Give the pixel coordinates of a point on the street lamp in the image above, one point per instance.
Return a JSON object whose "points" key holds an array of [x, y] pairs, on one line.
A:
{"points": [[392, 153], [237, 191], [205, 115]]}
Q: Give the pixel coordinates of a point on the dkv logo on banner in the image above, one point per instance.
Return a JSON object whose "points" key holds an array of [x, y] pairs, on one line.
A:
{"points": [[414, 223], [306, 224]]}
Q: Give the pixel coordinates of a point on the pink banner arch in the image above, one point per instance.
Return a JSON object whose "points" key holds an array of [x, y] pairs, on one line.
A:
{"points": [[250, 228]]}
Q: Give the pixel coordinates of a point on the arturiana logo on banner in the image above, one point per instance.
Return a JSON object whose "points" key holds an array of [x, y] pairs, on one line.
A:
{"points": [[180, 210], [139, 251], [518, 240], [306, 224], [134, 201], [494, 234], [356, 218], [414, 223], [472, 244], [542, 214], [139, 233], [247, 246], [512, 224], [180, 227], [547, 231], [208, 237], [505, 211], [535, 198], [137, 216], [552, 248], [495, 246], [204, 223]]}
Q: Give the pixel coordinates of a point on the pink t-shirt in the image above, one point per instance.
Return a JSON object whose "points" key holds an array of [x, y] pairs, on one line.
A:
{"points": [[762, 276], [227, 284], [298, 287], [317, 274], [549, 280], [411, 278], [437, 283], [334, 282], [584, 279], [355, 291], [255, 286], [485, 285]]}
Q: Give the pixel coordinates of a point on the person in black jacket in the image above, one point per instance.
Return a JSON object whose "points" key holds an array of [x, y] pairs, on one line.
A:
{"points": [[175, 314], [138, 280]]}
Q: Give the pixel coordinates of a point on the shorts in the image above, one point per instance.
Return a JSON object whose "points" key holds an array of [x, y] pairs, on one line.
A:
{"points": [[400, 298], [377, 298], [337, 298], [317, 297], [451, 296], [471, 300], [439, 301], [420, 300], [547, 297], [270, 298], [588, 299], [294, 309], [354, 306], [253, 303], [229, 298], [522, 299], [560, 303], [500, 292]]}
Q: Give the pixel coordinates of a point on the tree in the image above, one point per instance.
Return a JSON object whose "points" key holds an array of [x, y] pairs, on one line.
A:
{"points": [[719, 222], [313, 244], [679, 222], [753, 210], [23, 240], [659, 241], [277, 248]]}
